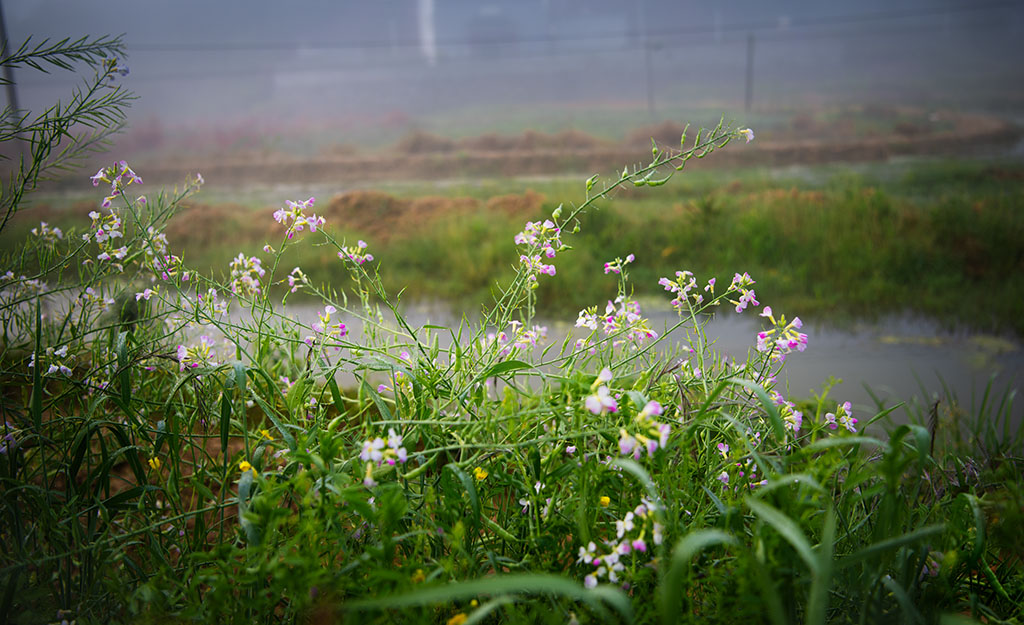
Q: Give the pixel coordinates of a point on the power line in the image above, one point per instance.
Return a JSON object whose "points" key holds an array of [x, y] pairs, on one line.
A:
{"points": [[737, 35], [756, 27]]}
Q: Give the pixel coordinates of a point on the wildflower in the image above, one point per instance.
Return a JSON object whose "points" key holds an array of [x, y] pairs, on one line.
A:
{"points": [[741, 283], [458, 619], [480, 474], [723, 477], [605, 501], [625, 525], [154, 463], [538, 239], [265, 434], [418, 577], [602, 401], [48, 234], [146, 294], [617, 265], [846, 417], [747, 134], [324, 330], [296, 279], [356, 253], [525, 503], [296, 219], [375, 451], [196, 355], [782, 338], [245, 275], [723, 449], [245, 465]]}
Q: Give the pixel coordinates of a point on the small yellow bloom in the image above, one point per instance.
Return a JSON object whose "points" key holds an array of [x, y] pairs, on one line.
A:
{"points": [[474, 603], [605, 501], [480, 474], [419, 577], [266, 434], [154, 463], [458, 619], [245, 466]]}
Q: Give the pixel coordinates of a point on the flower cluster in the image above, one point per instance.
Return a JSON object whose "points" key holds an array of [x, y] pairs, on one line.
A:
{"points": [[295, 218], [745, 475], [539, 240], [103, 230], [742, 283], [651, 434], [119, 176], [48, 234], [617, 265], [622, 318], [782, 338], [632, 533], [517, 339], [91, 297], [685, 289], [324, 330], [245, 275], [168, 266], [843, 418], [356, 253], [200, 354], [375, 453], [56, 366]]}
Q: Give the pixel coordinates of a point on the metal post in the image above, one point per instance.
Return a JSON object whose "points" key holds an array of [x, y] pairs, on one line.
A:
{"points": [[12, 91], [748, 99]]}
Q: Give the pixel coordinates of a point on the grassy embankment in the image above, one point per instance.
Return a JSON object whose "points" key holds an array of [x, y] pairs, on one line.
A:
{"points": [[943, 239]]}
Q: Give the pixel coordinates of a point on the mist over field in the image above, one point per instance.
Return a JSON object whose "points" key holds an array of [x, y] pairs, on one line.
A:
{"points": [[290, 66]]}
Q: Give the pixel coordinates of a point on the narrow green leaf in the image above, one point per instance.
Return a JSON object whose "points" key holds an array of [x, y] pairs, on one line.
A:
{"points": [[506, 366], [817, 604], [467, 483], [382, 408], [786, 527], [766, 402], [889, 544], [671, 591], [516, 584]]}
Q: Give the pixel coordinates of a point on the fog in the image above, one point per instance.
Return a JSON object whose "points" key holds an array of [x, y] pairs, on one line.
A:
{"points": [[306, 63]]}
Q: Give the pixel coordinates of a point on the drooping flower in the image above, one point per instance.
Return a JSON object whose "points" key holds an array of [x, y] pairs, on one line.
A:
{"points": [[747, 134]]}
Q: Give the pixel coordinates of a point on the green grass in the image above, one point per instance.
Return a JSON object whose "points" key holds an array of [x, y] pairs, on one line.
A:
{"points": [[941, 239]]}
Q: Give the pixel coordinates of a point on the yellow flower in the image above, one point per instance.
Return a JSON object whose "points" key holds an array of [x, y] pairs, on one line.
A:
{"points": [[154, 463], [474, 603], [605, 501], [458, 619], [266, 434], [480, 474], [419, 577], [245, 466]]}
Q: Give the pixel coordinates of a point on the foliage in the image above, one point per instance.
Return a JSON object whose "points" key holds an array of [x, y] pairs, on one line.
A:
{"points": [[178, 447]]}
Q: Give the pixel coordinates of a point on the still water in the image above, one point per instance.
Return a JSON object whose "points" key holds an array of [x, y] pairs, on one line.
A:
{"points": [[895, 359]]}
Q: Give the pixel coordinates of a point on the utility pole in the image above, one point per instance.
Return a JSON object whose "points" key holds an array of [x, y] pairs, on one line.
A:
{"points": [[645, 24], [748, 99], [12, 91]]}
